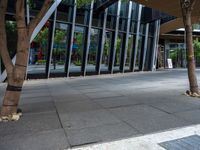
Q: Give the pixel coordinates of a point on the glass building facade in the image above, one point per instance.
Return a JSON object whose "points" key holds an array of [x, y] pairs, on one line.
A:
{"points": [[103, 37]]}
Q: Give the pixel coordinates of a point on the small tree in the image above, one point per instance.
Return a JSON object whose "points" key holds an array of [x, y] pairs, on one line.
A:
{"points": [[16, 72], [187, 7]]}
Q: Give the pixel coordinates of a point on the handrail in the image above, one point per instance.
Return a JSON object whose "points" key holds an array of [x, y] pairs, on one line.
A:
{"points": [[53, 7]]}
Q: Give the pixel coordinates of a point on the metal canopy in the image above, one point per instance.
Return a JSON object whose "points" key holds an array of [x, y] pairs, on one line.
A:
{"points": [[173, 8]]}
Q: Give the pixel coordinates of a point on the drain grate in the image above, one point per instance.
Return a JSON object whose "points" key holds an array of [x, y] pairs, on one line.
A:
{"points": [[186, 143]]}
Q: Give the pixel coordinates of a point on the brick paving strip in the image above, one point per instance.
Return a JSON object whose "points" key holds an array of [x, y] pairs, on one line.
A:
{"points": [[152, 141]]}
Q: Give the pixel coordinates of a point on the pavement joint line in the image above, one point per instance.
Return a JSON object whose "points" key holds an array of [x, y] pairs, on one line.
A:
{"points": [[145, 142]]}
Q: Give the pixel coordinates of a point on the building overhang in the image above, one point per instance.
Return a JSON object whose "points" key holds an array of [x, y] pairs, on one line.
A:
{"points": [[172, 8]]}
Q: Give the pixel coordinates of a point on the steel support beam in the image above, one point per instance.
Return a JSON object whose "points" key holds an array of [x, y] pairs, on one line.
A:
{"points": [[145, 46], [101, 43], [51, 43], [134, 52], [155, 45], [114, 39], [101, 5], [126, 39], [87, 40], [70, 40]]}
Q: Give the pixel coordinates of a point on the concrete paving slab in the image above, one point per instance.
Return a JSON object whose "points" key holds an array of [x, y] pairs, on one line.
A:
{"points": [[76, 106], [97, 95], [38, 107], [175, 106], [32, 95], [35, 100], [30, 124], [80, 113], [112, 102], [102, 133], [47, 140], [151, 124], [146, 142], [136, 112], [87, 119], [192, 115], [70, 97]]}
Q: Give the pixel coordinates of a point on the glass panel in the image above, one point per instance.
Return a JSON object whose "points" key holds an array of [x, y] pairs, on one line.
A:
{"points": [[39, 51], [77, 51], [142, 28], [151, 29], [139, 51], [131, 44], [94, 42], [11, 33], [110, 24], [106, 52], [148, 53], [122, 24], [118, 51], [59, 48], [64, 12], [82, 16], [133, 27], [124, 9], [97, 20], [134, 14]]}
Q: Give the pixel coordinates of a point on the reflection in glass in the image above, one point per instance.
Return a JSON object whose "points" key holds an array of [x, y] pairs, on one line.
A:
{"points": [[131, 44], [139, 51], [11, 33], [118, 51], [77, 51], [39, 51], [59, 48], [94, 41], [106, 52]]}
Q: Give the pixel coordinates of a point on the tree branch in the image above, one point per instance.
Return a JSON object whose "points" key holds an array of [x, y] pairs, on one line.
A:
{"points": [[3, 38], [34, 22]]}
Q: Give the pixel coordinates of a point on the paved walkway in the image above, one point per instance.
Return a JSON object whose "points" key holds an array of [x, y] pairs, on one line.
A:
{"points": [[63, 113]]}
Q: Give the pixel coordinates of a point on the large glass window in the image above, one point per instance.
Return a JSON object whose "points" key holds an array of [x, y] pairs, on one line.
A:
{"points": [[131, 44], [64, 12], [139, 52], [118, 53], [11, 33], [59, 48], [134, 13], [39, 51], [94, 42], [77, 51], [106, 52]]}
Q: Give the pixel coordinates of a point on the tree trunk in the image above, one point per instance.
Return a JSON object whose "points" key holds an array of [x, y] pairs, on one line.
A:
{"points": [[17, 75], [187, 6]]}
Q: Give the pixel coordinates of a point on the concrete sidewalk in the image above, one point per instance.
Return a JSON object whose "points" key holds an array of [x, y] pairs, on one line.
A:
{"points": [[63, 113]]}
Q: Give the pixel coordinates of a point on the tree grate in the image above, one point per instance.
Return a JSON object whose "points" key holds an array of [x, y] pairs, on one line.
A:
{"points": [[186, 143]]}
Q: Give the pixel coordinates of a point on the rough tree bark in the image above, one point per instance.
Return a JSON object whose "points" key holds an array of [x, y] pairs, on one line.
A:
{"points": [[187, 7], [16, 72]]}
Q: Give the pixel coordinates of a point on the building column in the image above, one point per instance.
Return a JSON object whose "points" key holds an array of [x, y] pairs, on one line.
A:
{"points": [[87, 40], [126, 39], [101, 43], [134, 52], [70, 40], [145, 46], [114, 39], [155, 45], [51, 43]]}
